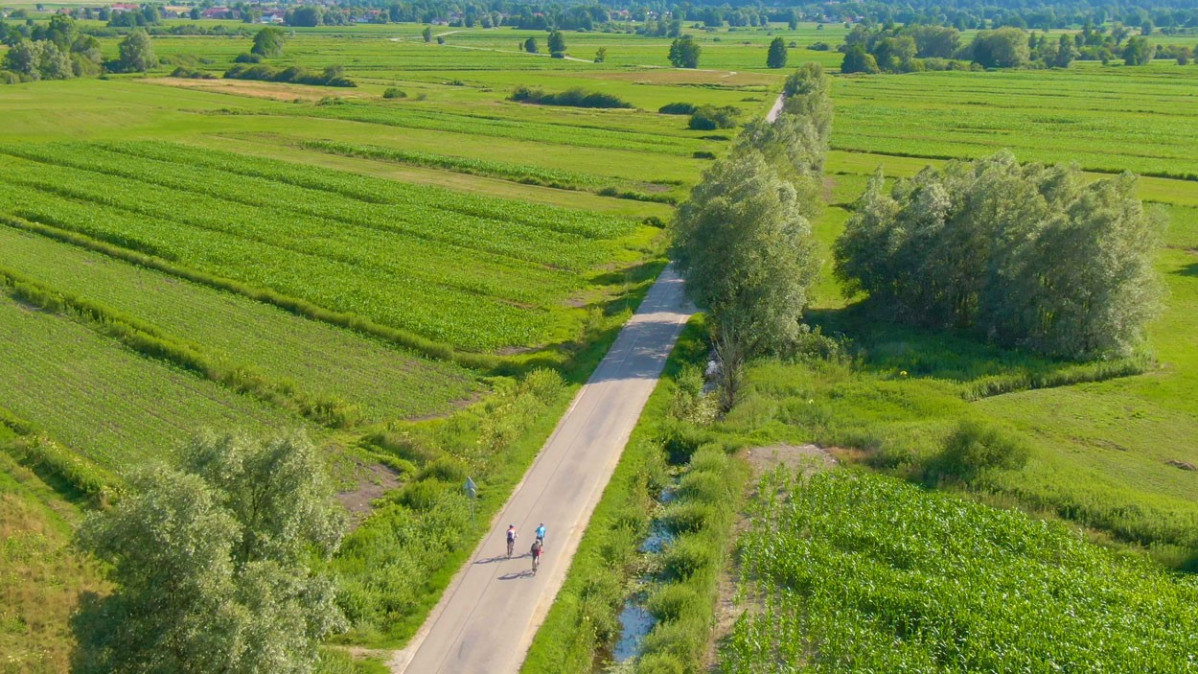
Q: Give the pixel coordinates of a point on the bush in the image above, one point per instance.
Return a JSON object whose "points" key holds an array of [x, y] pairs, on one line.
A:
{"points": [[576, 97], [678, 109], [392, 92], [446, 469], [247, 57], [703, 155], [710, 117], [332, 76], [688, 555], [189, 73], [820, 46], [558, 55], [671, 602], [973, 448], [423, 495]]}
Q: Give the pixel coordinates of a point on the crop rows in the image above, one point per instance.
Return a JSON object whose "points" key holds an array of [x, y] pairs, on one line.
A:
{"points": [[479, 125], [383, 382], [422, 223], [866, 573], [1146, 123], [356, 260], [518, 172], [110, 404]]}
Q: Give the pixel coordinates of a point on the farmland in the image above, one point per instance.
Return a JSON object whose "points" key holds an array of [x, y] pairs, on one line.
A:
{"points": [[400, 257], [839, 584], [252, 256]]}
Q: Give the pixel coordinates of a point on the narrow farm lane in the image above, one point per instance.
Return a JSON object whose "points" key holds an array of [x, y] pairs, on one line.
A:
{"points": [[487, 617]]}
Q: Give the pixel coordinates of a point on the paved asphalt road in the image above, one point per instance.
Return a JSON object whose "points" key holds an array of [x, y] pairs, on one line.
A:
{"points": [[487, 617]]}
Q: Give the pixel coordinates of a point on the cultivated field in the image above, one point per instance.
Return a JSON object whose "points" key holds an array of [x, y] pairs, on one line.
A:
{"points": [[861, 572]]}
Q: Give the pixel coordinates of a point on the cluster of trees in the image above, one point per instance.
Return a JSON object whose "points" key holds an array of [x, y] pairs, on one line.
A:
{"points": [[919, 47], [743, 240], [1024, 256], [1168, 15], [576, 97], [899, 49], [332, 76], [58, 51], [209, 562]]}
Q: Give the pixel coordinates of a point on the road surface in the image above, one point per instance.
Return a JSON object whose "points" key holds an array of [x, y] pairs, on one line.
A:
{"points": [[487, 617]]}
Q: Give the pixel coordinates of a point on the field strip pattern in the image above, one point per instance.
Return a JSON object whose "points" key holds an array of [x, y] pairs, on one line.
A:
{"points": [[395, 258], [382, 381], [107, 402]]}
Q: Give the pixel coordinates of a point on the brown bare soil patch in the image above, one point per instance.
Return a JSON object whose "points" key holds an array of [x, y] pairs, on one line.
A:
{"points": [[373, 480], [275, 91], [808, 458]]}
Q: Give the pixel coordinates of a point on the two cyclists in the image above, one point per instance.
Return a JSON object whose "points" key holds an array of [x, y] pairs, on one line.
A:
{"points": [[538, 545]]}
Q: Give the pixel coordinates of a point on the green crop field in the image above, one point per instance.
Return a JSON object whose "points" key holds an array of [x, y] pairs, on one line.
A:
{"points": [[105, 401], [382, 380], [864, 573]]}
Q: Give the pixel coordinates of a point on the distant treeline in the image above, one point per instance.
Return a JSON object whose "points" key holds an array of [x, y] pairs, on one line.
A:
{"points": [[915, 47], [662, 19]]}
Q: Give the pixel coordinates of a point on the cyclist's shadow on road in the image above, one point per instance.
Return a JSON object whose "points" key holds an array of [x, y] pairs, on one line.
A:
{"points": [[527, 573], [492, 560]]}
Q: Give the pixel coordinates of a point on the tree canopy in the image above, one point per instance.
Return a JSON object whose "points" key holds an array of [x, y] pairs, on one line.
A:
{"points": [[1025, 256], [137, 53], [209, 561], [776, 58], [557, 43], [684, 52], [268, 42]]}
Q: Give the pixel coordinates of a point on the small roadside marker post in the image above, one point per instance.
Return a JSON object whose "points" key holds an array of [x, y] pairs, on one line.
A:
{"points": [[472, 492]]}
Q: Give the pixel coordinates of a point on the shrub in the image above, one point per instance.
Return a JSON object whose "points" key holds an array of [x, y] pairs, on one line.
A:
{"points": [[392, 92], [246, 57], [446, 469], [424, 494], [710, 117], [689, 554], [576, 97], [673, 601], [703, 155], [678, 109], [973, 448], [332, 76], [820, 46], [189, 73]]}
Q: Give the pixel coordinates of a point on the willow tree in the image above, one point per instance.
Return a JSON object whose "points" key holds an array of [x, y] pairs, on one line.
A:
{"points": [[748, 257], [209, 562], [1022, 255]]}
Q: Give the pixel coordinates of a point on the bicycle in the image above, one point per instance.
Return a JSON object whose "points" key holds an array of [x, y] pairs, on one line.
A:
{"points": [[536, 551]]}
